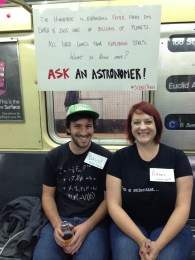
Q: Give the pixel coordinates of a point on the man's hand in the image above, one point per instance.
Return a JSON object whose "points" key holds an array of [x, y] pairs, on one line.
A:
{"points": [[58, 236], [80, 232]]}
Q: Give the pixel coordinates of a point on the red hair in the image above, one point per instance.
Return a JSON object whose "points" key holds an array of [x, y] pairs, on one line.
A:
{"points": [[149, 109]]}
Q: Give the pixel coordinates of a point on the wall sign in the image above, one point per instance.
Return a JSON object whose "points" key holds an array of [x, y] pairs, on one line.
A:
{"points": [[181, 43], [11, 106], [180, 122], [181, 83]]}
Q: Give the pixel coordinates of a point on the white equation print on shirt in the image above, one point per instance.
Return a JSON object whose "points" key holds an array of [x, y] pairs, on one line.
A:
{"points": [[77, 183]]}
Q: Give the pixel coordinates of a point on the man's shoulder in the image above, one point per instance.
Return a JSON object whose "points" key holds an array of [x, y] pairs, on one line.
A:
{"points": [[59, 150], [96, 148]]}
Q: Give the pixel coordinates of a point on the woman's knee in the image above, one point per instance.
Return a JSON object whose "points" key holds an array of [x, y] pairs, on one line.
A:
{"points": [[180, 247], [122, 246]]}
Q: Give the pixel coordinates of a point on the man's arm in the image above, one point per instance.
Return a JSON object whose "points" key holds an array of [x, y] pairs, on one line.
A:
{"points": [[81, 231], [50, 209], [98, 215]]}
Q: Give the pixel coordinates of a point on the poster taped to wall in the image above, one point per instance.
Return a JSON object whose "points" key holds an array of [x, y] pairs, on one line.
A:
{"points": [[97, 48]]}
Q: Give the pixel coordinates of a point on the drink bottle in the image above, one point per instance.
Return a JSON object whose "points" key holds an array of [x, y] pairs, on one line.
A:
{"points": [[68, 233]]}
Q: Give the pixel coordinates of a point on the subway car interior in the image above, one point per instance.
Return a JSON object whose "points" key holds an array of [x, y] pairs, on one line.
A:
{"points": [[38, 45]]}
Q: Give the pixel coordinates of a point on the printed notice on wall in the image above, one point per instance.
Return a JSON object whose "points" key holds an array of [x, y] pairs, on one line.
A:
{"points": [[11, 104], [97, 48]]}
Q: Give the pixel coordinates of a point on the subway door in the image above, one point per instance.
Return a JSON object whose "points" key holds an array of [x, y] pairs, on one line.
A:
{"points": [[175, 94]]}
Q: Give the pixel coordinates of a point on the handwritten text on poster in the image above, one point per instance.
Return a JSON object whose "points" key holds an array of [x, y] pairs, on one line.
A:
{"points": [[102, 48]]}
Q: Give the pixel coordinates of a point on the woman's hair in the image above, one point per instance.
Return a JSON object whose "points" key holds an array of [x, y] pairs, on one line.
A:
{"points": [[146, 108]]}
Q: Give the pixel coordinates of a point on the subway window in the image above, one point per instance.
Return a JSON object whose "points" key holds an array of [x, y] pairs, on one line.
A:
{"points": [[112, 107]]}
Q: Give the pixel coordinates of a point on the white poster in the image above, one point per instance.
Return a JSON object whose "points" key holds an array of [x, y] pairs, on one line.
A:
{"points": [[97, 48]]}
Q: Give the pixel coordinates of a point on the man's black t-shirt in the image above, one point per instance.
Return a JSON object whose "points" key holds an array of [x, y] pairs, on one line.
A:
{"points": [[79, 185], [149, 203]]}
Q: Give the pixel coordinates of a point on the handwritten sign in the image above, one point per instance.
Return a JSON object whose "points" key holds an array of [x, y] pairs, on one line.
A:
{"points": [[97, 48]]}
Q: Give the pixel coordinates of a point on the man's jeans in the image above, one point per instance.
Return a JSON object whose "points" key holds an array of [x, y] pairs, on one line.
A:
{"points": [[95, 246], [124, 248]]}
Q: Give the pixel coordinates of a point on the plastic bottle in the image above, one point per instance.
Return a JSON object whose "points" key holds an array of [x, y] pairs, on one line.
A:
{"points": [[68, 234]]}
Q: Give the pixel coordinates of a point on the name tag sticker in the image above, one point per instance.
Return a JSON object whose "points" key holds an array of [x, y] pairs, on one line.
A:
{"points": [[96, 160], [163, 175]]}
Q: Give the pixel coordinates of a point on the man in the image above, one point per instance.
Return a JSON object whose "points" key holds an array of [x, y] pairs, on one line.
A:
{"points": [[74, 190]]}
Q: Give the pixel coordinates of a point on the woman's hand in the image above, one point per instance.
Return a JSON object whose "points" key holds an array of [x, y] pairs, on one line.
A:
{"points": [[145, 248], [149, 250]]}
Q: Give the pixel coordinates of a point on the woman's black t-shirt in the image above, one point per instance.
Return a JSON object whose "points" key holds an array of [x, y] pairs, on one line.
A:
{"points": [[148, 203]]}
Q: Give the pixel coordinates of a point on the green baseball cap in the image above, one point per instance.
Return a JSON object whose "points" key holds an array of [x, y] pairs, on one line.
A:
{"points": [[81, 109]]}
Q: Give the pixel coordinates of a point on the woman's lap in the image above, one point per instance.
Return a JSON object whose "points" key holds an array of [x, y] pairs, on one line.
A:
{"points": [[124, 248]]}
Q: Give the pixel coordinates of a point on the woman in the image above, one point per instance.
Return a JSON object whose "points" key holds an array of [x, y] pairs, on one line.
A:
{"points": [[149, 189]]}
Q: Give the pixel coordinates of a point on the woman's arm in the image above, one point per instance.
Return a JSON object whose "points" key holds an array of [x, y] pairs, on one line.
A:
{"points": [[180, 214], [119, 216]]}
